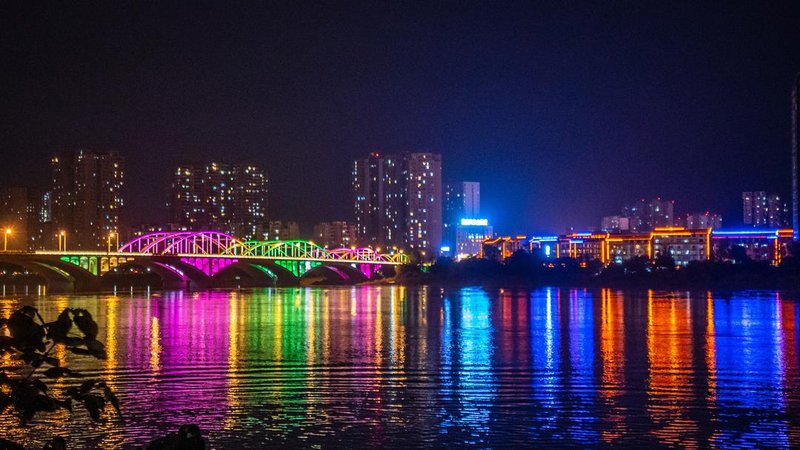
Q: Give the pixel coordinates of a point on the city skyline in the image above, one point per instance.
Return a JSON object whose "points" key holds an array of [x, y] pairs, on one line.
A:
{"points": [[542, 129], [412, 207]]}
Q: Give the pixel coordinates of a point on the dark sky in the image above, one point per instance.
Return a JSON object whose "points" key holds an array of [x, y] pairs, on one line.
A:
{"points": [[562, 111]]}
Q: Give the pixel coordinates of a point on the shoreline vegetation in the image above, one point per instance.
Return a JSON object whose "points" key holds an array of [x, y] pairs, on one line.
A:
{"points": [[523, 269]]}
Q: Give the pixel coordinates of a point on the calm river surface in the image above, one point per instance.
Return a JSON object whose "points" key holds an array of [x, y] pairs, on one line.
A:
{"points": [[424, 367]]}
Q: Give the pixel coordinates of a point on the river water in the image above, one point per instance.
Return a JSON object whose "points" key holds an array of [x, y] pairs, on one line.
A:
{"points": [[428, 367]]}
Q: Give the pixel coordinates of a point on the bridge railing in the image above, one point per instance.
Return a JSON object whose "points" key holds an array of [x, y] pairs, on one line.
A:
{"points": [[213, 243]]}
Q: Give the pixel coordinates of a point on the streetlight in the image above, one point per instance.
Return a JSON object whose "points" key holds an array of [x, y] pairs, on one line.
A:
{"points": [[62, 241], [5, 239], [110, 236]]}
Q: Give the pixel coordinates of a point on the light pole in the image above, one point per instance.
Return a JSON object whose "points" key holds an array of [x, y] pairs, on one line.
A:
{"points": [[5, 239], [62, 241], [110, 235]]}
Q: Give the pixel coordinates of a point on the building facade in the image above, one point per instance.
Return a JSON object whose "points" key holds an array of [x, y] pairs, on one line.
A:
{"points": [[777, 211], [231, 198], [661, 213], [760, 209], [335, 234], [461, 200], [282, 230], [696, 221], [642, 216], [615, 224], [470, 235], [368, 181], [761, 245], [684, 246], [398, 200], [87, 197]]}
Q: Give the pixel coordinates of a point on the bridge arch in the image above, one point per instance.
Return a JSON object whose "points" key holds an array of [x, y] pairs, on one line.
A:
{"points": [[57, 274], [334, 274], [172, 273], [182, 242]]}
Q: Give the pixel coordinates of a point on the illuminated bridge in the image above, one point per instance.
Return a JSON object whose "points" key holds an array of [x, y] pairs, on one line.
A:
{"points": [[202, 259]]}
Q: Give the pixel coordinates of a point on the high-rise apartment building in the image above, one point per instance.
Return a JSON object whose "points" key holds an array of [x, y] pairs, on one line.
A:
{"points": [[87, 197], [398, 200], [762, 210], [335, 234], [368, 183], [188, 199], [424, 201], [231, 198], [760, 205], [747, 208], [641, 216], [638, 215], [776, 211], [661, 213], [461, 200]]}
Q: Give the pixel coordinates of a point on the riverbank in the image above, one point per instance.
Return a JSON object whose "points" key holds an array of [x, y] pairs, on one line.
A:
{"points": [[701, 276]]}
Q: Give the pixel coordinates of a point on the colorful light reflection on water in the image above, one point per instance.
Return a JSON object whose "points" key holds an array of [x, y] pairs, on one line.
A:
{"points": [[399, 367]]}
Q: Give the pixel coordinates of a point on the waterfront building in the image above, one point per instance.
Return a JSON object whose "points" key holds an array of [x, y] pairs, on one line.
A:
{"points": [[424, 202], [696, 221], [759, 245], [623, 247], [545, 245], [335, 234], [398, 200], [470, 235], [87, 197], [231, 198], [682, 244], [461, 200], [502, 247], [368, 183], [583, 246]]}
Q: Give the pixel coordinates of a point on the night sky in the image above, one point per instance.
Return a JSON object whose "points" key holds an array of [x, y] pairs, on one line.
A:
{"points": [[563, 112]]}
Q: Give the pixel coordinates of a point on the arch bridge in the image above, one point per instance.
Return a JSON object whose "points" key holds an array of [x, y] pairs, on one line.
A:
{"points": [[208, 259]]}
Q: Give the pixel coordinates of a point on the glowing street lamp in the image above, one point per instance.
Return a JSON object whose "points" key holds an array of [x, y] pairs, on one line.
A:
{"points": [[5, 239], [111, 235], [62, 241]]}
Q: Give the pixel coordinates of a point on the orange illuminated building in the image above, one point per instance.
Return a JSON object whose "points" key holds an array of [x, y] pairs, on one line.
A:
{"points": [[506, 245], [684, 245], [622, 247], [583, 246]]}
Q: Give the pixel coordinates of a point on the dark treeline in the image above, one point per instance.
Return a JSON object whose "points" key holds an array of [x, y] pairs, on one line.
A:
{"points": [[524, 268]]}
